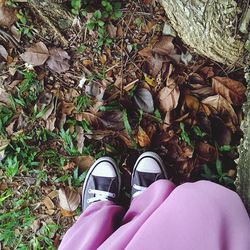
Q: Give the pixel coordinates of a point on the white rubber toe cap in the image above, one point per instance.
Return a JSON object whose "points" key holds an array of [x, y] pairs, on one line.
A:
{"points": [[104, 169], [148, 165]]}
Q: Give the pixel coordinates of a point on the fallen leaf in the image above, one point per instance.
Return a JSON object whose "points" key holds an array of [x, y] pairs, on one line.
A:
{"points": [[80, 138], [220, 132], [3, 145], [82, 81], [232, 90], [165, 47], [5, 98], [3, 53], [103, 59], [48, 203], [188, 151], [36, 55], [144, 100], [113, 120], [35, 225], [192, 103], [16, 33], [206, 152], [92, 119], [168, 97], [87, 62], [202, 91], [69, 199], [112, 30], [146, 52], [84, 162], [95, 89], [150, 80], [7, 16], [118, 82], [67, 107], [142, 138], [58, 60], [222, 106]]}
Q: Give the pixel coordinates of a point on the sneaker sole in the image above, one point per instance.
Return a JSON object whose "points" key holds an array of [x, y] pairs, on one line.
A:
{"points": [[105, 159]]}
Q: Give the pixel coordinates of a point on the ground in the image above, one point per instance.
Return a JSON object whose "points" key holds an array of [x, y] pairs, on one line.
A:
{"points": [[124, 84]]}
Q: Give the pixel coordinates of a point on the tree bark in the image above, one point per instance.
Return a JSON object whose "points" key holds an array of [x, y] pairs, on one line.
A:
{"points": [[55, 17], [243, 171], [210, 27]]}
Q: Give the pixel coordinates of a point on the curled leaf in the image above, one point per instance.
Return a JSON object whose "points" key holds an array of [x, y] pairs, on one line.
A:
{"points": [[142, 138], [144, 100], [222, 106], [36, 55], [58, 60], [69, 199], [7, 16], [233, 91], [169, 97]]}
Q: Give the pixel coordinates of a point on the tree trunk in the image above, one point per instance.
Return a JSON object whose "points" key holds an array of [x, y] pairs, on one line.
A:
{"points": [[243, 175], [55, 17], [210, 27]]}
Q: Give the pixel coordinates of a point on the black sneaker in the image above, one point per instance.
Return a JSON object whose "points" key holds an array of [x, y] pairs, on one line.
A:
{"points": [[103, 182], [148, 168]]}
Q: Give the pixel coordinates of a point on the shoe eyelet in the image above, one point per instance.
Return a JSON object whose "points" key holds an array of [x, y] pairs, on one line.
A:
{"points": [[87, 201], [90, 191]]}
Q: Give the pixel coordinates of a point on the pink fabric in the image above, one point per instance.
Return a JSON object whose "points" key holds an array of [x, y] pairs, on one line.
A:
{"points": [[193, 216]]}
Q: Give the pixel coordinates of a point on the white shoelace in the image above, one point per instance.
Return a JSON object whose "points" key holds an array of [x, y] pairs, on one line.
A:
{"points": [[139, 188], [99, 195]]}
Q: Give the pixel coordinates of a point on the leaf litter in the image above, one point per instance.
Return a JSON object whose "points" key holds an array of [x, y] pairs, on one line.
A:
{"points": [[66, 107]]}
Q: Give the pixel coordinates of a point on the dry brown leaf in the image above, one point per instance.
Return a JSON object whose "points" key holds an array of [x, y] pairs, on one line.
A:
{"points": [[169, 97], [146, 52], [58, 60], [87, 62], [95, 89], [48, 203], [125, 138], [202, 91], [7, 16], [69, 199], [233, 91], [188, 151], [165, 47], [221, 105], [206, 152], [192, 103], [149, 26], [80, 138], [142, 138], [3, 53], [103, 59], [92, 119], [36, 55], [113, 120], [112, 30], [84, 162], [67, 107], [5, 97], [144, 100]]}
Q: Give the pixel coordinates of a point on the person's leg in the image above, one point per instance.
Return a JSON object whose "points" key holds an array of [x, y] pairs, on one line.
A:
{"points": [[93, 227], [101, 216], [141, 208], [195, 216], [148, 196]]}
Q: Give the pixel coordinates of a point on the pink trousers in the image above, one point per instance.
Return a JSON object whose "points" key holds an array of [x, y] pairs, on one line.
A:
{"points": [[192, 216]]}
